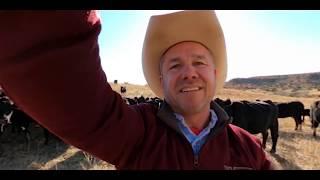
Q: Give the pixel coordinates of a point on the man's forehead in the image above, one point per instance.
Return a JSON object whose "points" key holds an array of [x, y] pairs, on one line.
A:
{"points": [[187, 44], [194, 56]]}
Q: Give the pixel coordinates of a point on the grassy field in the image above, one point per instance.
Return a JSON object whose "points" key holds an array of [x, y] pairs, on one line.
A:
{"points": [[296, 149]]}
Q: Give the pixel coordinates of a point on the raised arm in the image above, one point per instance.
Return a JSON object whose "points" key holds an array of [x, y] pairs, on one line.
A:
{"points": [[50, 67]]}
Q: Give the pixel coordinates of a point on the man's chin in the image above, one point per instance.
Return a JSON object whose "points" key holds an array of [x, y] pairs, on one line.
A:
{"points": [[191, 108], [188, 106]]}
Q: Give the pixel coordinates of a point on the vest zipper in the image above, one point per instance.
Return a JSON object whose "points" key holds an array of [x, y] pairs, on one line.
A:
{"points": [[196, 161]]}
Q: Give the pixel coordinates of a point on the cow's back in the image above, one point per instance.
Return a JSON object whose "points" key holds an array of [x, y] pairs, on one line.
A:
{"points": [[255, 117], [290, 109]]}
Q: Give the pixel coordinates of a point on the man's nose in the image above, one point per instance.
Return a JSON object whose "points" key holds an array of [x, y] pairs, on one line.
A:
{"points": [[189, 72]]}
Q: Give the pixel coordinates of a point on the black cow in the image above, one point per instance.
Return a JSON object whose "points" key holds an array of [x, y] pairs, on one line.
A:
{"points": [[292, 109], [5, 109], [131, 101], [123, 89], [5, 106], [20, 121], [305, 112], [138, 100], [255, 117], [141, 99], [315, 116], [154, 101]]}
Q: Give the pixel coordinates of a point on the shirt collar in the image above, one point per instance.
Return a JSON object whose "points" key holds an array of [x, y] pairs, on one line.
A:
{"points": [[212, 122]]}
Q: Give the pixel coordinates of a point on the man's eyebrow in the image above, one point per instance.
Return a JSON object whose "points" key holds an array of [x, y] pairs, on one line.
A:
{"points": [[198, 56], [173, 60]]}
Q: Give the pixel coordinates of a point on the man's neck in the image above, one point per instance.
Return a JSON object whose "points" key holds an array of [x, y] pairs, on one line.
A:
{"points": [[198, 121]]}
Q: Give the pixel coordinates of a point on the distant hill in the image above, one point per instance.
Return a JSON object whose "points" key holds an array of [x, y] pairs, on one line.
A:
{"points": [[297, 85]]}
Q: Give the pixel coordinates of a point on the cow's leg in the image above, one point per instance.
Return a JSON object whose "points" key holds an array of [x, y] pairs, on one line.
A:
{"points": [[26, 134], [297, 124], [46, 136], [27, 138], [13, 128], [274, 135], [2, 129], [315, 124], [264, 138], [300, 121]]}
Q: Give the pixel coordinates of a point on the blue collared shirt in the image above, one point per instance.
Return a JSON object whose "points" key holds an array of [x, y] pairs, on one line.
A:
{"points": [[196, 141]]}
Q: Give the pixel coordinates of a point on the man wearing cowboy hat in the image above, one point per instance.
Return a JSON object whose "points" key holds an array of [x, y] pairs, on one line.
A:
{"points": [[54, 74]]}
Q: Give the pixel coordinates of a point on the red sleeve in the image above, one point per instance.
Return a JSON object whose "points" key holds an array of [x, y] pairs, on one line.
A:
{"points": [[264, 161], [50, 67], [253, 149]]}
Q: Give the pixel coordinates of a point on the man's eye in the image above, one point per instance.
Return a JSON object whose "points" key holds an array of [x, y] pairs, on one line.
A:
{"points": [[199, 63], [174, 66]]}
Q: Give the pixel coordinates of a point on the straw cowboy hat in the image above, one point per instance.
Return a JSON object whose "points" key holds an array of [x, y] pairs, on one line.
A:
{"points": [[166, 30]]}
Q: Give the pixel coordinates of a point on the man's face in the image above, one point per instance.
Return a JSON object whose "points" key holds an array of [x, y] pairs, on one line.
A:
{"points": [[188, 78]]}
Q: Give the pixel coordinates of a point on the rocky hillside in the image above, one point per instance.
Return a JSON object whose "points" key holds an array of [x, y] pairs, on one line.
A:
{"points": [[298, 85]]}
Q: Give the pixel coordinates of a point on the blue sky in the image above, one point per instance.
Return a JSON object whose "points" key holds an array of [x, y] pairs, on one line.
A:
{"points": [[259, 43]]}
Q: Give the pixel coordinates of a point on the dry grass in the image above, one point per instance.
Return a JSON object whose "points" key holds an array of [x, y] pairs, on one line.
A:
{"points": [[16, 155], [295, 150]]}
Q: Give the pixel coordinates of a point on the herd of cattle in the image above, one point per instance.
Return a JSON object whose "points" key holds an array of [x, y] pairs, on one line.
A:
{"points": [[12, 116], [254, 116], [257, 116]]}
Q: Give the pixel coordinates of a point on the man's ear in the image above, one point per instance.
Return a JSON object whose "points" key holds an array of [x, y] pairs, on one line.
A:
{"points": [[161, 80]]}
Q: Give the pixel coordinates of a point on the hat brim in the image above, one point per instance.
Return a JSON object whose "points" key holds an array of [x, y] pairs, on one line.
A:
{"points": [[166, 30]]}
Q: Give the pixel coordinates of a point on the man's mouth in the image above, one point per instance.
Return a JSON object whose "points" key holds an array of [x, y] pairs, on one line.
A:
{"points": [[190, 89]]}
